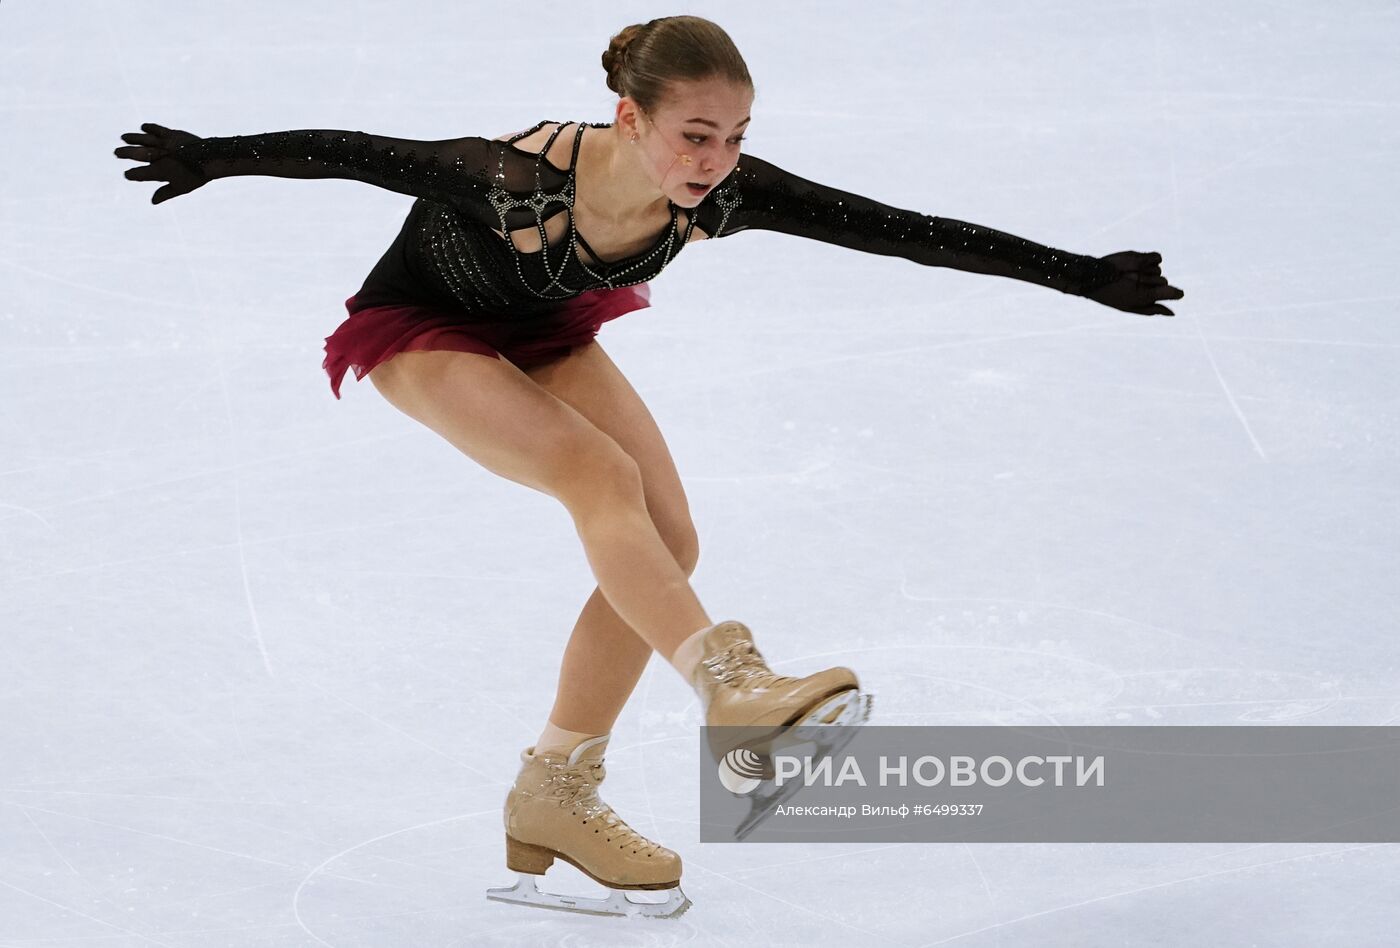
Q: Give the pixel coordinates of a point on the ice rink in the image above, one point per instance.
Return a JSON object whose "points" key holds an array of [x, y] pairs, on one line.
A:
{"points": [[270, 658]]}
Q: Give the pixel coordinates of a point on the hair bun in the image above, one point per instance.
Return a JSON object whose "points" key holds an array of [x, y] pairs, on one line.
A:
{"points": [[644, 59], [615, 55]]}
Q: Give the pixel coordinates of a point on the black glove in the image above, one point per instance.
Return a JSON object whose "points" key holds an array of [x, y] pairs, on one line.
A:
{"points": [[156, 145], [1139, 285]]}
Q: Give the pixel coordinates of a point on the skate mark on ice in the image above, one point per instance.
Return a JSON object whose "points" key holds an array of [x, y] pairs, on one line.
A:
{"points": [[402, 733], [1014, 698], [1108, 672], [1144, 888], [884, 937], [1285, 340], [737, 374], [803, 862], [296, 896], [1068, 607], [243, 573], [90, 287], [24, 510], [68, 908], [45, 836], [1229, 395]]}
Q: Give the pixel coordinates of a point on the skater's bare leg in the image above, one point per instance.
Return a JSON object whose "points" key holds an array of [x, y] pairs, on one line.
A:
{"points": [[605, 657], [602, 663], [498, 416]]}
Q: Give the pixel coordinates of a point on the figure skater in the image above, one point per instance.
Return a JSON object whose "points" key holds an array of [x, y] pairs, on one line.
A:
{"points": [[479, 322]]}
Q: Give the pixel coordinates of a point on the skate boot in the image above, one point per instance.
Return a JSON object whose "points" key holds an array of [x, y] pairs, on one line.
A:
{"points": [[738, 689], [554, 812]]}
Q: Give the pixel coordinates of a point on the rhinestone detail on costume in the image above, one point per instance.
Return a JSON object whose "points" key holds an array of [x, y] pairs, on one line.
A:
{"points": [[611, 275], [467, 196]]}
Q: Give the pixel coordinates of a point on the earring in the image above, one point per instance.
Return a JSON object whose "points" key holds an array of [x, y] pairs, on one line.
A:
{"points": [[634, 139]]}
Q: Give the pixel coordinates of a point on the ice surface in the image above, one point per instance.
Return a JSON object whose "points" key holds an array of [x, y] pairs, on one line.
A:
{"points": [[270, 657]]}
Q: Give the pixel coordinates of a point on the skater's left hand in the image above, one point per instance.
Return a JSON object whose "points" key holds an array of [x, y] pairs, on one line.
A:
{"points": [[1139, 285]]}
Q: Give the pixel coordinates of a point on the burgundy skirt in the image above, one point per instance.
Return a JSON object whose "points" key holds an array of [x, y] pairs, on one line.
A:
{"points": [[374, 334]]}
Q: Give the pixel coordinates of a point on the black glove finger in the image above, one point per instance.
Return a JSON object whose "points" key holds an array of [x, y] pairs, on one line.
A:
{"points": [[140, 152], [137, 138], [1170, 293], [143, 173], [1124, 261]]}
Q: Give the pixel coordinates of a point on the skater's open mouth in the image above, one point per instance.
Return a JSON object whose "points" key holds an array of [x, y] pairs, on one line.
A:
{"points": [[698, 188]]}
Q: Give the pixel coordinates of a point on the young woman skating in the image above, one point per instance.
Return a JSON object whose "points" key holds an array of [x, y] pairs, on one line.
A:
{"points": [[480, 319]]}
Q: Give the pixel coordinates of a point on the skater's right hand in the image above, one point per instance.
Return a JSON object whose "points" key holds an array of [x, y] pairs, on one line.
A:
{"points": [[156, 144]]}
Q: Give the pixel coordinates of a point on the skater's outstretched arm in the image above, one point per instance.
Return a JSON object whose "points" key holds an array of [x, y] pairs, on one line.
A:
{"points": [[758, 195], [454, 171]]}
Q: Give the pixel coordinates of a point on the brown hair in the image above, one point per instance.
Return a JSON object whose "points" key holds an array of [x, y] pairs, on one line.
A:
{"points": [[644, 58]]}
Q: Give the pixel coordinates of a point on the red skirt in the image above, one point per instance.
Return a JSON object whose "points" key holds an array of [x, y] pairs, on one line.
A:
{"points": [[372, 335]]}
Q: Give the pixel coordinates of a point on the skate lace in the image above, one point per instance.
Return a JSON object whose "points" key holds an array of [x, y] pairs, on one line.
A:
{"points": [[577, 787], [741, 662]]}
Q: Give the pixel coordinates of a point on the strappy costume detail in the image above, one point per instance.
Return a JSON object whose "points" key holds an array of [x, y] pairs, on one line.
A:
{"points": [[599, 273]]}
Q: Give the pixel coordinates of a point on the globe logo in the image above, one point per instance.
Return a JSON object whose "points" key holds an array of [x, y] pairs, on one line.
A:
{"points": [[741, 770]]}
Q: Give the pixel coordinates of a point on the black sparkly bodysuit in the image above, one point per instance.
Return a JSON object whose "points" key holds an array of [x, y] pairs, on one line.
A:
{"points": [[450, 252]]}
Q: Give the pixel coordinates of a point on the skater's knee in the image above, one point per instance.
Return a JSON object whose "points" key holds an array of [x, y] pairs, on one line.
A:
{"points": [[597, 476], [684, 544]]}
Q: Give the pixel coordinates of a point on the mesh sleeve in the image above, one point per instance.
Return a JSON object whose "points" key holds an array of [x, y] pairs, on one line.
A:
{"points": [[455, 171], [760, 196]]}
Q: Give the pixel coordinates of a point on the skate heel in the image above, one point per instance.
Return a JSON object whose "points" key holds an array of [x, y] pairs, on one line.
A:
{"points": [[525, 857]]}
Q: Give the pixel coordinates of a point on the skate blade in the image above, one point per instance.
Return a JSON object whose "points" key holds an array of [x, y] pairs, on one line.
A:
{"points": [[830, 726], [526, 891], [834, 715], [846, 709]]}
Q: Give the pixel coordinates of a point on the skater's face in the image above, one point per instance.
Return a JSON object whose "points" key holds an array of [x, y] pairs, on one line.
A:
{"points": [[694, 137]]}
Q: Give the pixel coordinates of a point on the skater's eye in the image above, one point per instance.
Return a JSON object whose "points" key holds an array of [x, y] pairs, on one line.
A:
{"points": [[701, 139]]}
